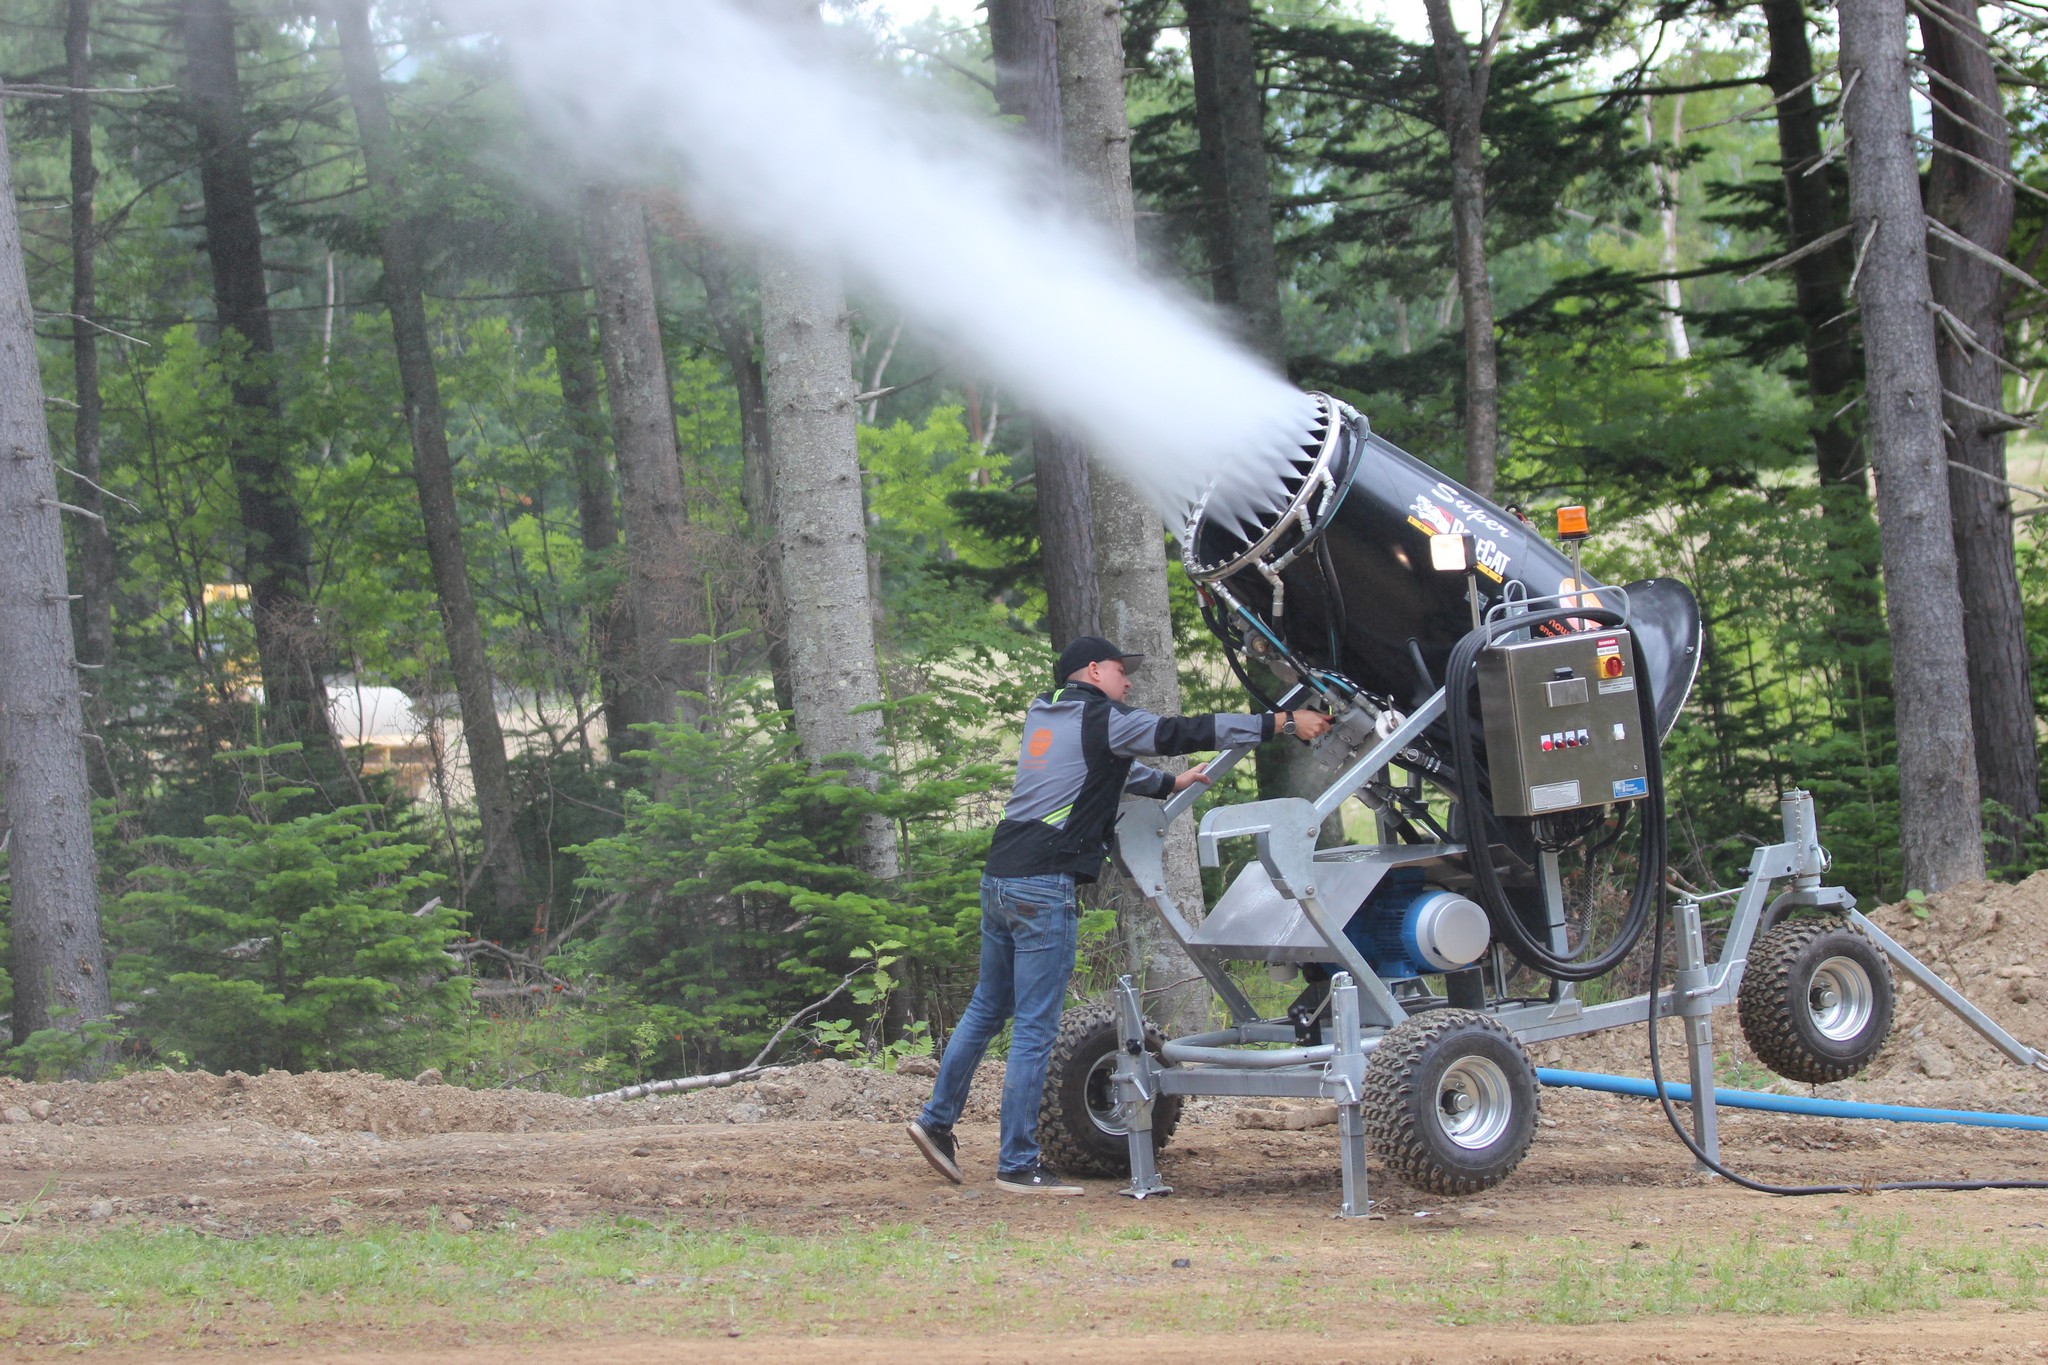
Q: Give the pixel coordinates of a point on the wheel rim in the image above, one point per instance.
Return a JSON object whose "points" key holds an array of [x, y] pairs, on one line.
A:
{"points": [[1841, 999], [1104, 1109], [1474, 1102]]}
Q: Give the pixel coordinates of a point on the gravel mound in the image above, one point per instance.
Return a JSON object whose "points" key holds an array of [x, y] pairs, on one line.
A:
{"points": [[1990, 941], [356, 1102]]}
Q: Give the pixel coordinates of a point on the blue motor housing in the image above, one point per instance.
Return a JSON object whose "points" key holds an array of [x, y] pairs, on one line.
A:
{"points": [[1408, 928]]}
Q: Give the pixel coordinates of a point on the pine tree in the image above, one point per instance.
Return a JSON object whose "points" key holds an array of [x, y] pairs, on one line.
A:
{"points": [[821, 528], [59, 966], [1969, 192], [663, 590], [1938, 798], [277, 556], [433, 473], [1024, 38]]}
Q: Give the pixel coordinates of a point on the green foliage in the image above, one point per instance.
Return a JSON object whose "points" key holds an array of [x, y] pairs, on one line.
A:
{"points": [[299, 943], [742, 899], [52, 1054]]}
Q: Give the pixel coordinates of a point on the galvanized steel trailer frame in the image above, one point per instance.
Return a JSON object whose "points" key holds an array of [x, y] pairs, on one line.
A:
{"points": [[1292, 906]]}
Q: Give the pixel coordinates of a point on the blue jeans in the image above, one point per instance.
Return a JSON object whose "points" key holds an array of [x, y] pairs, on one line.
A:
{"points": [[1029, 928]]}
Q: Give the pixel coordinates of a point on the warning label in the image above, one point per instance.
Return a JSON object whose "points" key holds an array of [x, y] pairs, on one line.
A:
{"points": [[1554, 796]]}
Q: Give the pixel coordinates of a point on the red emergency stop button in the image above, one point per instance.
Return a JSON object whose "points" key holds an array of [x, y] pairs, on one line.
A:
{"points": [[1611, 666]]}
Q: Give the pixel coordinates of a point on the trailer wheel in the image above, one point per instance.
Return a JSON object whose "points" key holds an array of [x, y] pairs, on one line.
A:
{"points": [[1081, 1127], [1816, 1000], [1450, 1102]]}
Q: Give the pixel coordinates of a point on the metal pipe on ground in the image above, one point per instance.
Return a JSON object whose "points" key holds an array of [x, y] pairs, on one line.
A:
{"points": [[1681, 1093]]}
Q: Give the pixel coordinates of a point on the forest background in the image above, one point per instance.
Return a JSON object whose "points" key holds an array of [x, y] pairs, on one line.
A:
{"points": [[484, 667]]}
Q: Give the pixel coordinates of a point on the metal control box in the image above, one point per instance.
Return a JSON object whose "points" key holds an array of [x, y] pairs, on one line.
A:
{"points": [[1563, 724]]}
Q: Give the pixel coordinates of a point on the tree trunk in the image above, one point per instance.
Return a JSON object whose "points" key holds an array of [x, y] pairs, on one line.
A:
{"points": [[1064, 497], [1978, 206], [1237, 195], [277, 558], [1819, 283], [611, 622], [59, 965], [1244, 272], [1026, 42], [663, 590], [1664, 183], [1464, 82], [433, 474], [1130, 550], [821, 527], [1938, 801], [757, 482], [96, 573]]}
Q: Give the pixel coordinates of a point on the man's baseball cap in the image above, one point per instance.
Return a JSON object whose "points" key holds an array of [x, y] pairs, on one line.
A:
{"points": [[1090, 649]]}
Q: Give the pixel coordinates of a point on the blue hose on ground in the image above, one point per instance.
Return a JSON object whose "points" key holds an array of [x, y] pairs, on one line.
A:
{"points": [[1792, 1104]]}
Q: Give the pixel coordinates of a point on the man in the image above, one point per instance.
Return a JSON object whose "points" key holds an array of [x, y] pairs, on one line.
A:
{"points": [[1073, 769]]}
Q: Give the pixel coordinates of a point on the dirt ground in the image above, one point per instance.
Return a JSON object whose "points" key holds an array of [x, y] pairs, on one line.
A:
{"points": [[818, 1149], [1918, 1337]]}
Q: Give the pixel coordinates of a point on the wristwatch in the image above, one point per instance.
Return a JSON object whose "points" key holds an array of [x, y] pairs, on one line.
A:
{"points": [[1285, 725]]}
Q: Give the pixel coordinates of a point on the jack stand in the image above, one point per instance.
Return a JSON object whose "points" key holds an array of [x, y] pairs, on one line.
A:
{"points": [[1552, 881], [1136, 1088], [1344, 1082], [1695, 1005]]}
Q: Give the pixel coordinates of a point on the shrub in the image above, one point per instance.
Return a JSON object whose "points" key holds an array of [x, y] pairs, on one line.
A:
{"points": [[299, 944], [739, 901]]}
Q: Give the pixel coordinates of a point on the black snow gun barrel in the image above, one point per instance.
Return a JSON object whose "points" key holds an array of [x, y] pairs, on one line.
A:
{"points": [[1326, 578]]}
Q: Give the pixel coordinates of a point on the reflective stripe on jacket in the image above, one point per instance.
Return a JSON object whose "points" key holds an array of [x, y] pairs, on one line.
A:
{"points": [[1076, 762]]}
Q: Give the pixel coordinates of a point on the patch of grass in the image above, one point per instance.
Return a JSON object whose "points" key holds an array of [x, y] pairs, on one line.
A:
{"points": [[179, 1288], [1743, 1073], [1868, 1267]]}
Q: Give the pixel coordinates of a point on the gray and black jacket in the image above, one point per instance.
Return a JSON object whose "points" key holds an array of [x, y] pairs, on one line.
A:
{"points": [[1077, 761]]}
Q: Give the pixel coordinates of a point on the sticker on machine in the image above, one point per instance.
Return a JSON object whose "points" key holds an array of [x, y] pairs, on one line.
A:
{"points": [[1621, 684], [1628, 788], [1554, 796]]}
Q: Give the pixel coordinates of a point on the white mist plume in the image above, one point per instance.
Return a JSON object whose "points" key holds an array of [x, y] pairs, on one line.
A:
{"points": [[789, 144]]}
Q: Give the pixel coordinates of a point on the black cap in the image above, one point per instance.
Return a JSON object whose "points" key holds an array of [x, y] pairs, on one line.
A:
{"points": [[1090, 649]]}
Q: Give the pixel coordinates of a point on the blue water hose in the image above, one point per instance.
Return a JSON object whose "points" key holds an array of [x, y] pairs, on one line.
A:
{"points": [[1792, 1104]]}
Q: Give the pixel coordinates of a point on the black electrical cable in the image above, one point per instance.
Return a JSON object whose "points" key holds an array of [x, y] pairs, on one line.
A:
{"points": [[1334, 610], [1460, 677], [1762, 1186], [1210, 618]]}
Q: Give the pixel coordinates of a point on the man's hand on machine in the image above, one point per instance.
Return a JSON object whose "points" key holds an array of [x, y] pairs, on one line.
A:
{"points": [[1198, 773], [1303, 725]]}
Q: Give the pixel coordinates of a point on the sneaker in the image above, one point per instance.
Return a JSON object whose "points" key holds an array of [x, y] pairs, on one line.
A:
{"points": [[937, 1146], [1037, 1179]]}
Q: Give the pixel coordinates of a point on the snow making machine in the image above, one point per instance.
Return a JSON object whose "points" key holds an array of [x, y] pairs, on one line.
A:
{"points": [[1500, 717]]}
